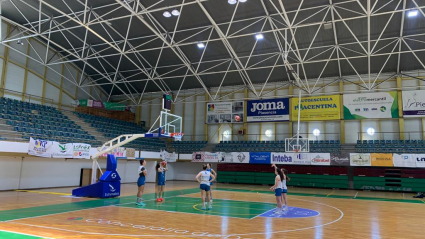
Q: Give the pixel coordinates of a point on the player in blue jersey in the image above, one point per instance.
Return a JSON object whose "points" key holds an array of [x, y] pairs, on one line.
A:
{"points": [[205, 178], [161, 168], [277, 188], [285, 188], [212, 171], [141, 183]]}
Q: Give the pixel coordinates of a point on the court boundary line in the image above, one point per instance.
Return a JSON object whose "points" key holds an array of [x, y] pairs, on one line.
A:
{"points": [[331, 196], [25, 234]]}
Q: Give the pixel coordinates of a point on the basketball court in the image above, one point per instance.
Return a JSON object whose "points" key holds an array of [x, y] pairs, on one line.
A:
{"points": [[239, 211]]}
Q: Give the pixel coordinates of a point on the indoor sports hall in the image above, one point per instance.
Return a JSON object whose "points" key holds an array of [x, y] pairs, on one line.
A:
{"points": [[233, 119]]}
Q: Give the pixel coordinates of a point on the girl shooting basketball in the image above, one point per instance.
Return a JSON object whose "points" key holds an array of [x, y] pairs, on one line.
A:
{"points": [[161, 168], [277, 188], [141, 183], [209, 169], [284, 187], [205, 178]]}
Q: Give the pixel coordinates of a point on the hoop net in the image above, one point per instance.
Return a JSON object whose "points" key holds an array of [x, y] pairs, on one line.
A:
{"points": [[177, 136], [297, 145]]}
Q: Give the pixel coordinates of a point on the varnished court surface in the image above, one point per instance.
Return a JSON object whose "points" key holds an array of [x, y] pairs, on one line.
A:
{"points": [[239, 211]]}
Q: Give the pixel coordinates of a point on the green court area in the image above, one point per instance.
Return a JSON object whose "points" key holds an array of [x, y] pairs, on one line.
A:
{"points": [[227, 208]]}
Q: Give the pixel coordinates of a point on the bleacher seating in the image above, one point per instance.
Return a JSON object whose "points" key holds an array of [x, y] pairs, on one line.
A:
{"points": [[188, 147], [325, 146], [42, 122], [390, 146], [112, 128]]}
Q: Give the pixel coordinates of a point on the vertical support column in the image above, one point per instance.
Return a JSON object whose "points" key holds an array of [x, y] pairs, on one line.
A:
{"points": [[184, 107], [61, 91], [400, 108], [76, 88], [43, 95], [138, 113], [245, 124], [205, 123], [150, 113], [194, 118], [5, 62], [24, 88], [290, 92], [342, 122]]}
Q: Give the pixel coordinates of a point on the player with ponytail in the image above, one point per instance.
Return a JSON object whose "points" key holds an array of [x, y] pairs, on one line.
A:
{"points": [[141, 182], [277, 188]]}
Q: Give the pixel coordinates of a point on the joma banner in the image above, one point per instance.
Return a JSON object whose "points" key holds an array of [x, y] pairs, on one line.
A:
{"points": [[270, 110]]}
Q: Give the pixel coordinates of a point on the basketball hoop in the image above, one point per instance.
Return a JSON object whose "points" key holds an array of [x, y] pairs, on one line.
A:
{"points": [[296, 150], [177, 136]]}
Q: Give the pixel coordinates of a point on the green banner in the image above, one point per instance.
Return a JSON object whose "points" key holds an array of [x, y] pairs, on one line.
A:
{"points": [[83, 103], [114, 106], [371, 105]]}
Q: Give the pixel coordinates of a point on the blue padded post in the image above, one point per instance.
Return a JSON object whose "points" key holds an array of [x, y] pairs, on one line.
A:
{"points": [[109, 184]]}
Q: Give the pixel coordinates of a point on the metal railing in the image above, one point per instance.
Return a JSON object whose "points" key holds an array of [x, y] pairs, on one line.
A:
{"points": [[28, 97], [278, 136], [391, 135]]}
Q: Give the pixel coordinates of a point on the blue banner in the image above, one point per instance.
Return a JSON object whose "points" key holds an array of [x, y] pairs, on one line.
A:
{"points": [[260, 158], [270, 110]]}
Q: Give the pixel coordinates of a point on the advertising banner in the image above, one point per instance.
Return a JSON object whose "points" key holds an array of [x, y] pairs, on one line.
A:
{"points": [[206, 157], [101, 105], [414, 103], [282, 158], [81, 151], [381, 160], [168, 157], [225, 112], [117, 152], [234, 157], [302, 158], [404, 160], [420, 160], [317, 108], [341, 159], [130, 153], [40, 148], [320, 159], [62, 150], [371, 105], [359, 159], [270, 110], [260, 158]]}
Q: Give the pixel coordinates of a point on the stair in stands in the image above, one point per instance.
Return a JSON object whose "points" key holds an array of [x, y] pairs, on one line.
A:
{"points": [[98, 135]]}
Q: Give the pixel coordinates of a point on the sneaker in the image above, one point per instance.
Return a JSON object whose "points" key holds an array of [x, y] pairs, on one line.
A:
{"points": [[158, 200], [162, 199], [210, 207], [203, 208], [140, 204]]}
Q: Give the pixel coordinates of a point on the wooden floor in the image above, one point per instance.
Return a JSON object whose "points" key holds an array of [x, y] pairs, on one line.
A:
{"points": [[239, 211]]}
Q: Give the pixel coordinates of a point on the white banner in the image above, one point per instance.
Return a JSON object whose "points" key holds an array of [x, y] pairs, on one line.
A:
{"points": [[130, 153], [371, 105], [414, 103], [404, 160], [420, 160], [283, 158], [62, 150], [40, 148], [168, 157], [360, 159], [117, 152], [225, 112], [320, 158], [234, 157], [81, 151], [206, 157], [301, 158]]}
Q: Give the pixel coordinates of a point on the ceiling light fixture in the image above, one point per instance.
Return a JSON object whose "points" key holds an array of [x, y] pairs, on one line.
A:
{"points": [[242, 0], [201, 45], [20, 43], [231, 1], [175, 12], [259, 36], [412, 13], [166, 14]]}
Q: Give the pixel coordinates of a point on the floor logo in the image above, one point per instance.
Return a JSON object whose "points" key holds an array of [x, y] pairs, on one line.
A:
{"points": [[75, 218]]}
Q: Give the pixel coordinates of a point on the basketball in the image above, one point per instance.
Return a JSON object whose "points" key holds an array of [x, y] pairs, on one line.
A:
{"points": [[164, 163], [237, 118]]}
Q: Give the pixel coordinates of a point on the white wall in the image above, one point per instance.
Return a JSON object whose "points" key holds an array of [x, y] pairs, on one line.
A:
{"points": [[36, 172], [185, 171]]}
